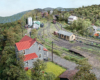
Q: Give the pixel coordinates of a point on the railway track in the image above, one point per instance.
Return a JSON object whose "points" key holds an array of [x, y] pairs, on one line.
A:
{"points": [[54, 40], [87, 42]]}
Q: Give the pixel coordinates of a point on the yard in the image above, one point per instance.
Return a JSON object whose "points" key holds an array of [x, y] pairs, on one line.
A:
{"points": [[51, 67]]}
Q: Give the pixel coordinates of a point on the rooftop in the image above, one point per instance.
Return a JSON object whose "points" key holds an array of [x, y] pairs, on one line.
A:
{"points": [[72, 16], [25, 43], [65, 33], [68, 74], [30, 56]]}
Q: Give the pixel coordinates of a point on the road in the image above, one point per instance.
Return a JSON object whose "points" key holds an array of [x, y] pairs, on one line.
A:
{"points": [[28, 31], [62, 62]]}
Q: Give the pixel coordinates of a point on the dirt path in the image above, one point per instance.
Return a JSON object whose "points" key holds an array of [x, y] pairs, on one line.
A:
{"points": [[28, 31]]}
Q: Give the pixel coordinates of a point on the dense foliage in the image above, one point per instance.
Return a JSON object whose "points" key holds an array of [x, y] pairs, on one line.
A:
{"points": [[84, 72], [10, 68], [38, 71], [81, 26]]}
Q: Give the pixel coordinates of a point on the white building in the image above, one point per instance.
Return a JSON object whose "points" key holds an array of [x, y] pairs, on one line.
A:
{"points": [[71, 19], [30, 21], [36, 24], [51, 11]]}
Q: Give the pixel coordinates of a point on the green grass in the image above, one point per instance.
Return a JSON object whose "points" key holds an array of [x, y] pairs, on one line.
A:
{"points": [[29, 73], [65, 49], [51, 67], [55, 69]]}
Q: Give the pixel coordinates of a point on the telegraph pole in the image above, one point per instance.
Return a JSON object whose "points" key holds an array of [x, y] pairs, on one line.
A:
{"points": [[52, 51], [22, 29]]}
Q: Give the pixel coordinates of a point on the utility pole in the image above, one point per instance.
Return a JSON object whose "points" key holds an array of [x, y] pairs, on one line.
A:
{"points": [[61, 27], [43, 32], [22, 29], [52, 51]]}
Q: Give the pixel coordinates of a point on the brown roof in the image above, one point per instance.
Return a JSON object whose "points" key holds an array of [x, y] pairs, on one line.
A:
{"points": [[68, 74]]}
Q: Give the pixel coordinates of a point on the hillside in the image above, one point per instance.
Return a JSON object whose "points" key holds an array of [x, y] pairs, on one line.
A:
{"points": [[12, 18], [89, 12]]}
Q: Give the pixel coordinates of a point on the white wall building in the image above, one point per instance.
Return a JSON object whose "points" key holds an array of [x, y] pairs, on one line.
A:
{"points": [[71, 19], [36, 24], [30, 21]]}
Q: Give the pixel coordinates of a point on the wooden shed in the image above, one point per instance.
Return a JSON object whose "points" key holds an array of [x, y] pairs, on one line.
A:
{"points": [[68, 74], [66, 35]]}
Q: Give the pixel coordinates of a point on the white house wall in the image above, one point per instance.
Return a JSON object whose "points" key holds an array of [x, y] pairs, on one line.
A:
{"points": [[33, 49]]}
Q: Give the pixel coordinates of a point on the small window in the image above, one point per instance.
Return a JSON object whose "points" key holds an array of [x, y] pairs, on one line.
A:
{"points": [[24, 51], [39, 55], [39, 48], [45, 53], [27, 63], [32, 59]]}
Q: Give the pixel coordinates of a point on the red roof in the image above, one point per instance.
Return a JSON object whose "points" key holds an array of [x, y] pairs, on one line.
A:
{"points": [[25, 43], [25, 38], [26, 68], [30, 56], [45, 49]]}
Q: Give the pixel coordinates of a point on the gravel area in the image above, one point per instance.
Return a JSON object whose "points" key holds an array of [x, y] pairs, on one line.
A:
{"points": [[63, 62]]}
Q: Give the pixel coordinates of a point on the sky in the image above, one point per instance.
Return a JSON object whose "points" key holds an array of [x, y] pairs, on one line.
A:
{"points": [[11, 7]]}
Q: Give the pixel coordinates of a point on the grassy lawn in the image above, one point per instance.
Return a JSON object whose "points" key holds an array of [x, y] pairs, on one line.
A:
{"points": [[56, 69], [51, 67]]}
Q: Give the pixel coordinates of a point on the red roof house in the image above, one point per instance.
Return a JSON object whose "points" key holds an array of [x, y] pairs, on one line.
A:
{"points": [[31, 49]]}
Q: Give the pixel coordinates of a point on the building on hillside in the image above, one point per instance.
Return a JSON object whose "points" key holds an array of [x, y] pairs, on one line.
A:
{"points": [[36, 24], [31, 49], [66, 35], [51, 12], [96, 30], [71, 19], [68, 74], [44, 13], [29, 21]]}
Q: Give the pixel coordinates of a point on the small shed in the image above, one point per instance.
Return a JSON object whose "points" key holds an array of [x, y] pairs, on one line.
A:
{"points": [[68, 74], [41, 25], [66, 35]]}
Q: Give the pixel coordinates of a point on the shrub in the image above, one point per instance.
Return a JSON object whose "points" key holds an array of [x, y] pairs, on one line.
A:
{"points": [[57, 52], [65, 49]]}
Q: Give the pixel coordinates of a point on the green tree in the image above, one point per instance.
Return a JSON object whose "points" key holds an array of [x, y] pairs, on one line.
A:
{"points": [[38, 72], [49, 76], [33, 32], [38, 69], [10, 67], [84, 71]]}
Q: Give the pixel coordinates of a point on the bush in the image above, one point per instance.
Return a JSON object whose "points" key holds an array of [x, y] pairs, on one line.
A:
{"points": [[71, 58], [57, 52], [65, 49]]}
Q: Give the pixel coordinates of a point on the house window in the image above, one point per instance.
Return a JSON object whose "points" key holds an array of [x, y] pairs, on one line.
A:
{"points": [[27, 63], [32, 59], [39, 55], [24, 51], [39, 48], [45, 53]]}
